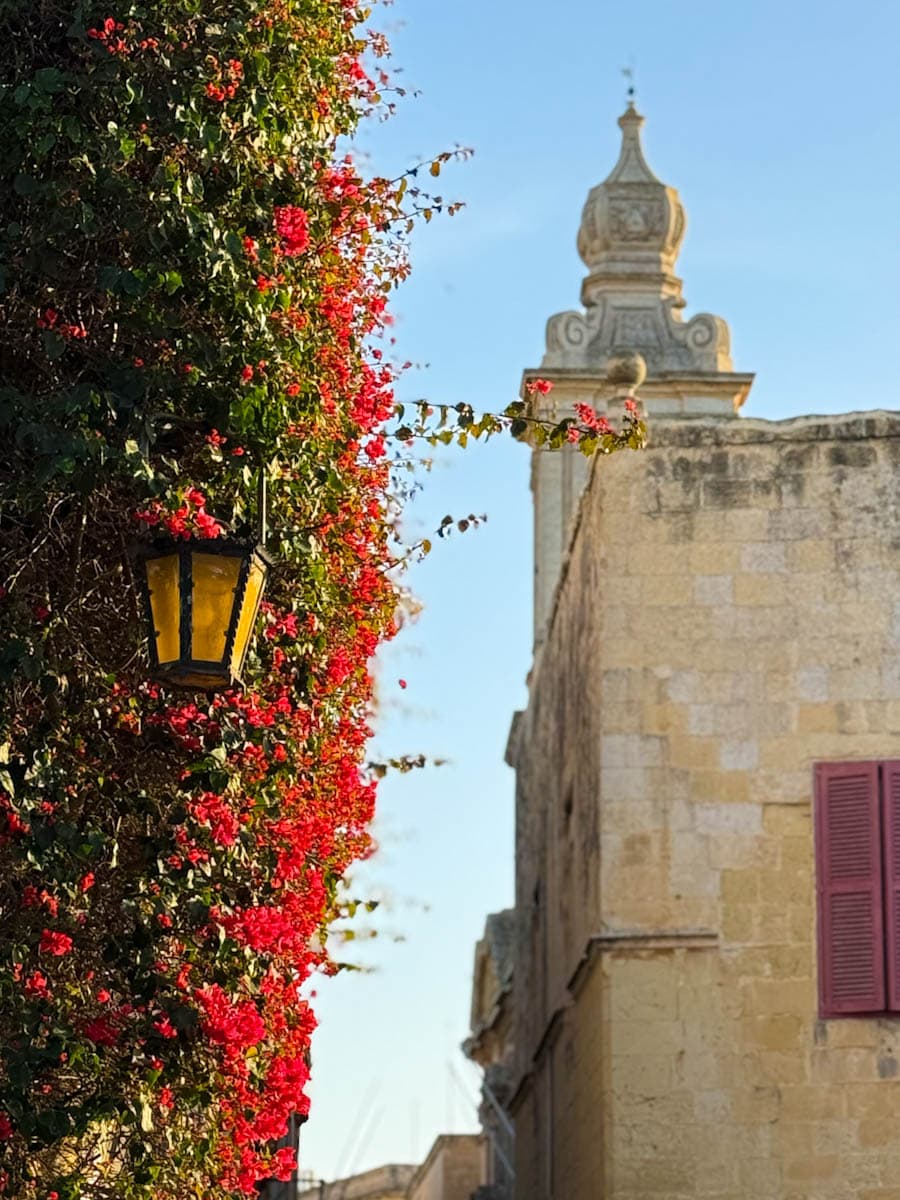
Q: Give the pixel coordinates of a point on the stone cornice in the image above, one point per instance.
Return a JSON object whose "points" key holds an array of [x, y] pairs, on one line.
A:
{"points": [[633, 941], [666, 395]]}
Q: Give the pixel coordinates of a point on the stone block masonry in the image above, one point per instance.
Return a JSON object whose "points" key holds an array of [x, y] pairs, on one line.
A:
{"points": [[727, 615]]}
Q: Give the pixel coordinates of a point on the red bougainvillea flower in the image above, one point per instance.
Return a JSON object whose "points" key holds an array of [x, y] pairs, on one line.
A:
{"points": [[539, 385], [101, 1031], [55, 943], [36, 985], [189, 519], [591, 420], [292, 227], [165, 1028]]}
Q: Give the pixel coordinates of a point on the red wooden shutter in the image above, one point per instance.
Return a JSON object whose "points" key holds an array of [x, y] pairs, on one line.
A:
{"points": [[848, 876], [890, 807]]}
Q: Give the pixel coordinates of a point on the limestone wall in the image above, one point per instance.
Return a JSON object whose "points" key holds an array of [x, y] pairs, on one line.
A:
{"points": [[729, 615], [453, 1170]]}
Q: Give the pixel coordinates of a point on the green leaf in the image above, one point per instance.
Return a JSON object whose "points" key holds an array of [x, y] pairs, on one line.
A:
{"points": [[54, 345], [49, 80], [45, 145]]}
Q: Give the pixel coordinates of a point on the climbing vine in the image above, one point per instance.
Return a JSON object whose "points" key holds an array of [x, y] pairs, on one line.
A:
{"points": [[193, 288]]}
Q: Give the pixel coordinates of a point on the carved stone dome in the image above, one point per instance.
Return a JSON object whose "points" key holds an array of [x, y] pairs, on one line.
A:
{"points": [[632, 226]]}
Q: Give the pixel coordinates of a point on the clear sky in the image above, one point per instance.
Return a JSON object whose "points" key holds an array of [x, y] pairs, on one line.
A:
{"points": [[778, 123]]}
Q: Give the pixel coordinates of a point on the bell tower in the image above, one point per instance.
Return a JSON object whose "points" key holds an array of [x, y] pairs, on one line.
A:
{"points": [[632, 227]]}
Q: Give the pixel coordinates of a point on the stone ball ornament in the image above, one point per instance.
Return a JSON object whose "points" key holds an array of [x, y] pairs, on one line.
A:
{"points": [[627, 371]]}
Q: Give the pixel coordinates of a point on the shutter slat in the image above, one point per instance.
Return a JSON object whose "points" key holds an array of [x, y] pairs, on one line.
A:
{"points": [[849, 888], [891, 815]]}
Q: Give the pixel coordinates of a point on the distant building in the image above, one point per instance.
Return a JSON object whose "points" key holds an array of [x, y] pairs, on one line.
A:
{"points": [[706, 984], [381, 1183], [453, 1170]]}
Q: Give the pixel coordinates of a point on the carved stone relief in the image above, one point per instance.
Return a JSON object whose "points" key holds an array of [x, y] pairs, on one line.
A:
{"points": [[587, 339], [636, 220], [636, 327]]}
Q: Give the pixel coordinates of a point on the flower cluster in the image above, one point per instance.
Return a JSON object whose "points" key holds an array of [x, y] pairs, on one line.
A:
{"points": [[189, 519], [108, 33], [539, 386], [50, 319], [292, 227], [227, 80], [589, 418]]}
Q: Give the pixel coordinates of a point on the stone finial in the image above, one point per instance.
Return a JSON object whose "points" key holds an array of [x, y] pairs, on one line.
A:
{"points": [[633, 225], [632, 166]]}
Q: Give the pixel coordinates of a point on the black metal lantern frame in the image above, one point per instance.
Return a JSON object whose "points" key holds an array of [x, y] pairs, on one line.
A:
{"points": [[201, 598]]}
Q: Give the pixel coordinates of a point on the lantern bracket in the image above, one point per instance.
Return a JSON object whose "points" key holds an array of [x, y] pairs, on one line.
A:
{"points": [[262, 507]]}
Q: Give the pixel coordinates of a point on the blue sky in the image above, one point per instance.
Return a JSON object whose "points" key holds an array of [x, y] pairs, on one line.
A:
{"points": [[778, 123]]}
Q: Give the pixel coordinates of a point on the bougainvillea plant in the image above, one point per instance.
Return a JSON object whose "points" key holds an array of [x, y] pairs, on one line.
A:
{"points": [[193, 281]]}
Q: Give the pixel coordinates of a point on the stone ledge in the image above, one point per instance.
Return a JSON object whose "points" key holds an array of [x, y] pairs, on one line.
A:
{"points": [[845, 427], [628, 941], [625, 941]]}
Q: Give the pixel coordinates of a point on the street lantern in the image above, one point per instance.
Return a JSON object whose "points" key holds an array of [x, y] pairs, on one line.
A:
{"points": [[201, 598]]}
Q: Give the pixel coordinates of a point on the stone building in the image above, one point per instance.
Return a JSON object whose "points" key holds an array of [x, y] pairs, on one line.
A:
{"points": [[490, 1045], [453, 1169], [389, 1182], [706, 995]]}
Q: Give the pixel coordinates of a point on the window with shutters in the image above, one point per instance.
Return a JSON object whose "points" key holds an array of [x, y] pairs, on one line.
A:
{"points": [[857, 822]]}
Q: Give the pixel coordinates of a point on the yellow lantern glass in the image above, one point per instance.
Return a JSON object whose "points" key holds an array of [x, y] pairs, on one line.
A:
{"points": [[202, 599]]}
